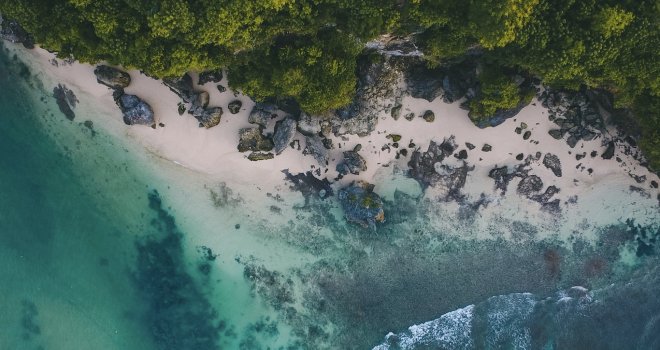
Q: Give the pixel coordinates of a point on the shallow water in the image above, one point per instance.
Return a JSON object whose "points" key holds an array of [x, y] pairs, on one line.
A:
{"points": [[103, 246]]}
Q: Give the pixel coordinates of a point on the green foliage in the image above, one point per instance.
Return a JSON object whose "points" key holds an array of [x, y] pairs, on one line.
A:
{"points": [[646, 109], [497, 91]]}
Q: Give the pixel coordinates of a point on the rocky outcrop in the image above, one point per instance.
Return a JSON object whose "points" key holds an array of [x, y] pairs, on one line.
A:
{"points": [[197, 101], [135, 110], [262, 113], [209, 117], [576, 114], [361, 205], [112, 77], [12, 31], [552, 162], [314, 145], [352, 163], [451, 82], [309, 185], [285, 131], [182, 87], [309, 125], [252, 139], [66, 100], [211, 76]]}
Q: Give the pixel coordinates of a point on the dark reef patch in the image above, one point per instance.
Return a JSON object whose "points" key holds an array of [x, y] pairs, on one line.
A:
{"points": [[177, 312]]}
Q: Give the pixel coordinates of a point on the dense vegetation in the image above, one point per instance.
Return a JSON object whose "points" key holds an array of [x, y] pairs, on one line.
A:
{"points": [[307, 49]]}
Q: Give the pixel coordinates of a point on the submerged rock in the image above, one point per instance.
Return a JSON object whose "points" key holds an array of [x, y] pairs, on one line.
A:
{"points": [[66, 100], [552, 162], [135, 110], [252, 139], [309, 185], [285, 131], [361, 205], [112, 77], [530, 185], [353, 163]]}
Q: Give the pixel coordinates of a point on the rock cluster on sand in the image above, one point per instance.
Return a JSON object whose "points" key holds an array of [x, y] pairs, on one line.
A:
{"points": [[198, 101], [252, 139], [112, 77], [135, 111], [361, 205], [576, 114], [262, 113], [552, 162]]}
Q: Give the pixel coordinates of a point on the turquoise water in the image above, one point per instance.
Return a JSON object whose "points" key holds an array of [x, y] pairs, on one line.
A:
{"points": [[99, 249]]}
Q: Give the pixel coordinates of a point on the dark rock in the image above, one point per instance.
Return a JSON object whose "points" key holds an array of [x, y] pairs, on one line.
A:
{"points": [[314, 146], [501, 176], [309, 125], [518, 130], [429, 116], [66, 100], [285, 131], [210, 117], [361, 205], [572, 140], [409, 116], [519, 156], [353, 163], [252, 139], [181, 108], [262, 113], [12, 31], [182, 87], [135, 110], [552, 162], [462, 154], [112, 77], [428, 170], [654, 184], [470, 146], [309, 185], [357, 148], [235, 106], [530, 185], [609, 151], [221, 88], [201, 99], [527, 135], [556, 133], [487, 148], [396, 112], [593, 154], [210, 76], [257, 156]]}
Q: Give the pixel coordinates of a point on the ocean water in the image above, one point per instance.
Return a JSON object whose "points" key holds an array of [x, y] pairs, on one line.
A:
{"points": [[105, 246]]}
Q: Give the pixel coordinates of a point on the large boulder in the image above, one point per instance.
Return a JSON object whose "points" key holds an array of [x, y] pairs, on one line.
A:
{"points": [[182, 86], [361, 205], [135, 110], [285, 131], [262, 113], [112, 77], [314, 146], [252, 139], [309, 125], [552, 162], [209, 117], [353, 163]]}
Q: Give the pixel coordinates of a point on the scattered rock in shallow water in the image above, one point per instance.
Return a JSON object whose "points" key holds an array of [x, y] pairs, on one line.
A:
{"points": [[309, 125], [429, 170], [285, 131], [552, 162], [235, 106], [429, 116], [112, 77], [309, 185], [609, 151], [66, 101], [314, 146], [361, 205], [135, 110], [252, 139], [257, 156], [353, 163], [210, 117], [486, 148], [210, 76]]}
